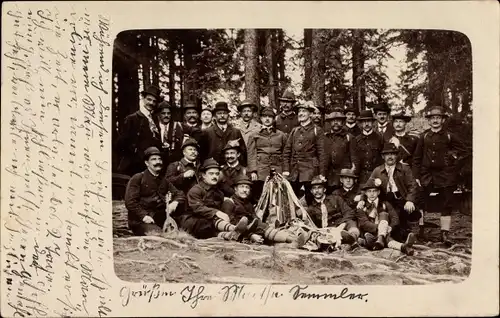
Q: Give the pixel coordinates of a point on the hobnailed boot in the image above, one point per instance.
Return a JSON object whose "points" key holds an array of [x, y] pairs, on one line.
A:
{"points": [[380, 243], [445, 239]]}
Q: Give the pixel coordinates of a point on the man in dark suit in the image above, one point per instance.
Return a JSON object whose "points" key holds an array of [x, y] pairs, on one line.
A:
{"points": [[171, 134], [191, 124], [351, 113], [287, 119], [183, 174], [382, 126]]}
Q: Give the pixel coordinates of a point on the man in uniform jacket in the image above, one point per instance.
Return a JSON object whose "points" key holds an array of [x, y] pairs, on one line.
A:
{"points": [[287, 118], [399, 188], [331, 211], [145, 197], [382, 126], [265, 151], [318, 116], [232, 169], [304, 155], [139, 132], [436, 162], [247, 124], [351, 113], [183, 174], [171, 134], [191, 124], [340, 148], [406, 142], [369, 144], [349, 191], [213, 139]]}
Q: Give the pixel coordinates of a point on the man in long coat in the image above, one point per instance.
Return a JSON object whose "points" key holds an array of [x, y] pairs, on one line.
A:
{"points": [[214, 138], [287, 118], [171, 134], [383, 126], [191, 125], [247, 123], [139, 132], [351, 113], [369, 144]]}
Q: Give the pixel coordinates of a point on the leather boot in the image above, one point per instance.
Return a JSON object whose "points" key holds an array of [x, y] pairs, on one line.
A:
{"points": [[379, 244], [347, 238], [408, 250], [445, 239], [240, 229], [421, 234], [369, 241], [410, 239]]}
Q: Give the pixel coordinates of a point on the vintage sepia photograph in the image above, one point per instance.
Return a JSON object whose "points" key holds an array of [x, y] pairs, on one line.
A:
{"points": [[313, 156]]}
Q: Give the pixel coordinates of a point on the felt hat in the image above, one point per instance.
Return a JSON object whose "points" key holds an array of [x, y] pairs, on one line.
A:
{"points": [[190, 142], [151, 151], [401, 115], [190, 105], [267, 111], [232, 144], [162, 105], [309, 105], [318, 180], [351, 109], [365, 115], [247, 103], [243, 179], [381, 107], [390, 148], [209, 164], [220, 106], [288, 96], [435, 111], [336, 113], [152, 90], [347, 173], [372, 183]]}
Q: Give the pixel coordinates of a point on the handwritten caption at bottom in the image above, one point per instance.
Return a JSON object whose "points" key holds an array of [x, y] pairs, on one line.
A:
{"points": [[194, 295]]}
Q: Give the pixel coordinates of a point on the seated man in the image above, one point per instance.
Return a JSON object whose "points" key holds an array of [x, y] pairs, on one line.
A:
{"points": [[241, 207], [183, 174], [332, 211], [349, 191], [145, 196], [204, 219], [233, 169], [376, 219]]}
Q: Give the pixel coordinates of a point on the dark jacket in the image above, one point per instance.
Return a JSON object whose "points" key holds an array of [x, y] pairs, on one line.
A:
{"points": [[171, 145], [403, 177], [238, 208], [348, 196], [265, 151], [194, 132], [175, 174], [304, 155], [338, 212], [340, 148], [145, 195], [205, 200], [213, 140], [437, 158], [355, 130], [368, 149], [387, 134], [409, 142], [366, 224], [229, 176], [286, 123]]}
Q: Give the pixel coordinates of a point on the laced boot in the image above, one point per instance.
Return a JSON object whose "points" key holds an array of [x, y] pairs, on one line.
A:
{"points": [[379, 243], [445, 239]]}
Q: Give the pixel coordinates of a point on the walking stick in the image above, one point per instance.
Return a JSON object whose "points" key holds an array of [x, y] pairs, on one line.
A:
{"points": [[169, 224]]}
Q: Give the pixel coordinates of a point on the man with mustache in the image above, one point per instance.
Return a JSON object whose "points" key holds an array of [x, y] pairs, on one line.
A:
{"points": [[204, 219], [247, 124], [304, 155], [145, 197], [232, 170], [287, 119], [183, 174], [340, 148], [436, 162], [349, 191], [216, 137], [351, 113], [138, 132], [171, 134], [206, 118], [369, 144], [382, 127], [191, 124], [318, 116], [406, 142]]}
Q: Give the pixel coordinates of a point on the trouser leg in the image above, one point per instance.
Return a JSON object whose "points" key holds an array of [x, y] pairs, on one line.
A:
{"points": [[257, 188]]}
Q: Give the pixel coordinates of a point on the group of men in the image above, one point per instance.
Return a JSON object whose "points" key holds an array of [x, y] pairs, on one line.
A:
{"points": [[359, 169]]}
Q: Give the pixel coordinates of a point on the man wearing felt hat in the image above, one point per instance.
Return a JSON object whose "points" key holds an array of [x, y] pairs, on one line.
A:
{"points": [[171, 133], [247, 123], [436, 161], [340, 148], [216, 137], [145, 197], [183, 174], [382, 126], [369, 144], [351, 113], [206, 118], [349, 190], [318, 115], [232, 168], [139, 131], [287, 118], [406, 142], [265, 151], [191, 124], [304, 155]]}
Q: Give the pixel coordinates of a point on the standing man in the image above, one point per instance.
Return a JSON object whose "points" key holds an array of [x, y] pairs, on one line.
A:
{"points": [[304, 155], [206, 118], [171, 134], [265, 151], [369, 145], [319, 116], [145, 197], [382, 127], [351, 113], [232, 169], [435, 164], [191, 124], [139, 132], [287, 119], [183, 174], [404, 141], [340, 148], [216, 137], [247, 124]]}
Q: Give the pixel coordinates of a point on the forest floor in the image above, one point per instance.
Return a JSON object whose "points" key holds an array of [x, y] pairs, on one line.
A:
{"points": [[179, 258]]}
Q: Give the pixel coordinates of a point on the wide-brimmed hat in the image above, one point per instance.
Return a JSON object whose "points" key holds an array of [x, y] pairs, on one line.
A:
{"points": [[209, 164], [365, 115], [151, 151], [243, 179], [390, 148], [351, 109], [347, 173], [190, 105], [318, 180], [337, 113], [288, 96], [152, 90], [162, 105], [247, 103], [435, 111], [372, 183], [309, 105], [401, 115], [381, 107], [190, 142], [232, 144], [220, 106], [267, 111]]}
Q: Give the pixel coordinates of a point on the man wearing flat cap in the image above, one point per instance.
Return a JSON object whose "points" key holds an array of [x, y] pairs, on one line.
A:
{"points": [[287, 118], [139, 131], [247, 124], [340, 148], [191, 125], [183, 174], [369, 144], [436, 161], [351, 113], [214, 138], [171, 134], [382, 126], [145, 197]]}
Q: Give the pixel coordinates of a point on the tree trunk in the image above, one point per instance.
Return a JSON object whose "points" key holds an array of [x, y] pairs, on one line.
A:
{"points": [[252, 67], [306, 84], [181, 74], [172, 69], [318, 67], [155, 69], [435, 86], [281, 62], [358, 65], [271, 67], [146, 62], [454, 100]]}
